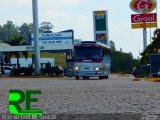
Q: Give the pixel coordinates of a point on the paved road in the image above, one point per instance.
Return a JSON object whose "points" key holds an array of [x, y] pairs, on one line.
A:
{"points": [[118, 98]]}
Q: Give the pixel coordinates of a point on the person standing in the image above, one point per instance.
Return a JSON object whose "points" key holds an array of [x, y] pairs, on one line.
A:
{"points": [[135, 71]]}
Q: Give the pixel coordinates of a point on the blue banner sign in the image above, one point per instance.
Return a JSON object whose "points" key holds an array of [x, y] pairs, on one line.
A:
{"points": [[54, 38]]}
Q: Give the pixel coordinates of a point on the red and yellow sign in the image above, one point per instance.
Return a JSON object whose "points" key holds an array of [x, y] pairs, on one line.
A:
{"points": [[144, 25], [139, 18], [143, 6]]}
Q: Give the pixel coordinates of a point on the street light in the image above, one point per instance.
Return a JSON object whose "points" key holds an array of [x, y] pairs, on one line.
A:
{"points": [[36, 36]]}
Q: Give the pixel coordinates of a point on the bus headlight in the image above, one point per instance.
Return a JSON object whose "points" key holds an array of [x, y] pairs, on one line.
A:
{"points": [[97, 68], [75, 68]]}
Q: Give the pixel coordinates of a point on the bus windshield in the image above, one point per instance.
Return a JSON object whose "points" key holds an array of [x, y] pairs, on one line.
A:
{"points": [[88, 53]]}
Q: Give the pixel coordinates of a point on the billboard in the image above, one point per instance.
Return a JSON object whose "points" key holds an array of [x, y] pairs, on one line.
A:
{"points": [[146, 19], [100, 20], [54, 38]]}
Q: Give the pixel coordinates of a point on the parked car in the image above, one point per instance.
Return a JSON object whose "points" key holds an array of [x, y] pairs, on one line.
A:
{"points": [[7, 70]]}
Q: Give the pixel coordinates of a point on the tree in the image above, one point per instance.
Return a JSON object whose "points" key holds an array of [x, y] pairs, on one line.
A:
{"points": [[9, 29], [113, 48], [17, 40], [157, 33], [152, 48], [121, 50], [123, 62], [2, 33], [26, 30], [46, 27]]}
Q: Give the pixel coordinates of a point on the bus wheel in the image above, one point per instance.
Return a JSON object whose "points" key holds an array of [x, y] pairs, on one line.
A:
{"points": [[106, 77], [100, 77], [87, 77], [77, 77]]}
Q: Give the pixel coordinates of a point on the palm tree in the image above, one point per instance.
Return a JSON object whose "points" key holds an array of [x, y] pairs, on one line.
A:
{"points": [[157, 33], [152, 48]]}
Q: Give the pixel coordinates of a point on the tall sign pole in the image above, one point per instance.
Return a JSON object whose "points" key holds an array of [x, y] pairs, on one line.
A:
{"points": [[145, 32], [144, 38], [36, 36]]}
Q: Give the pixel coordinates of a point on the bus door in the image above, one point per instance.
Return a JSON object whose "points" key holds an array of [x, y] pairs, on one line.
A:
{"points": [[69, 63]]}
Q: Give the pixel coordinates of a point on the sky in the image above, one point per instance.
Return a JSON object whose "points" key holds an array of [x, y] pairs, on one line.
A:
{"points": [[78, 15]]}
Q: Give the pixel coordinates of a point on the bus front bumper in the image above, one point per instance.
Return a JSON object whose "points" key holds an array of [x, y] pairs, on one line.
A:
{"points": [[88, 73]]}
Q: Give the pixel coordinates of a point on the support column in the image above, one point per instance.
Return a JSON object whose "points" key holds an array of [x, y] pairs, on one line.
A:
{"points": [[36, 36], [144, 38]]}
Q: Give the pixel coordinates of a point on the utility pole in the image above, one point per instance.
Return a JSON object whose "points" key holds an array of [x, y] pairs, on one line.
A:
{"points": [[36, 36]]}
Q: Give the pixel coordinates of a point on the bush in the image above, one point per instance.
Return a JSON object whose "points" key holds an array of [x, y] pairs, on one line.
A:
{"points": [[22, 71], [52, 71]]}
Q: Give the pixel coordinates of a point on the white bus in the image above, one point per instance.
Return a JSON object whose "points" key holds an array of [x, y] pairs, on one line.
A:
{"points": [[90, 59]]}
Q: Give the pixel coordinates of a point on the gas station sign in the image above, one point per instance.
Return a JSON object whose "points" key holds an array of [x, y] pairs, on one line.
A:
{"points": [[137, 18], [145, 19], [143, 6], [100, 19], [144, 25]]}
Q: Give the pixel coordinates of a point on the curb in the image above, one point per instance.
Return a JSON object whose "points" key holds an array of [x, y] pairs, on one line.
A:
{"points": [[153, 79], [32, 76], [137, 79]]}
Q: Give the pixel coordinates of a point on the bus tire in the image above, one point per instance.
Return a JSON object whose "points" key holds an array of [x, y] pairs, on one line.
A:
{"points": [[77, 77], [106, 77]]}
